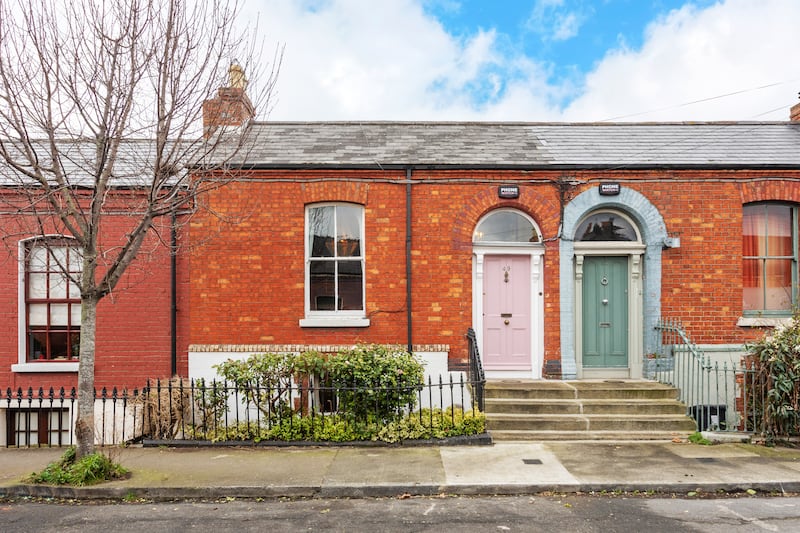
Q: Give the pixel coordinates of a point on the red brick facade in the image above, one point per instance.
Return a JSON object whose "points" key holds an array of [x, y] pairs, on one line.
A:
{"points": [[248, 277], [134, 322], [243, 280]]}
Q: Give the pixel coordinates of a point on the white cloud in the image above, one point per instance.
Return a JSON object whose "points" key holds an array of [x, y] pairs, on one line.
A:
{"points": [[566, 26], [390, 60], [693, 55], [553, 22]]}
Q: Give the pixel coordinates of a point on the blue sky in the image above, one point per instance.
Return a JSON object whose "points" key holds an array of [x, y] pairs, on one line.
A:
{"points": [[569, 36], [533, 60], [572, 34]]}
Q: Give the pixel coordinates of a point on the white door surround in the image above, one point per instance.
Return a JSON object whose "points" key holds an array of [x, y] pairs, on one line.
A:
{"points": [[536, 253], [634, 251]]}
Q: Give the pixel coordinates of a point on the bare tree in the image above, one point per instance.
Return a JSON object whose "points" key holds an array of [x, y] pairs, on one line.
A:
{"points": [[100, 111]]}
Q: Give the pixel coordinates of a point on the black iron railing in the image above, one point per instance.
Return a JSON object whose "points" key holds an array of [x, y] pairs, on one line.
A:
{"points": [[476, 375], [200, 410]]}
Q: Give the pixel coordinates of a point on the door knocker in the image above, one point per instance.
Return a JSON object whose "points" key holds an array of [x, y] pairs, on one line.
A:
{"points": [[604, 281], [506, 270]]}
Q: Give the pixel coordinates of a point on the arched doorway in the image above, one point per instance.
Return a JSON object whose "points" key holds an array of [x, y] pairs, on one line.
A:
{"points": [[645, 266], [508, 294], [608, 295]]}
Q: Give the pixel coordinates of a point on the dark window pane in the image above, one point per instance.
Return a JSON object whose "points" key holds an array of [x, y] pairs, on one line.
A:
{"points": [[37, 345], [351, 285], [74, 345], [58, 345], [605, 227], [322, 289]]}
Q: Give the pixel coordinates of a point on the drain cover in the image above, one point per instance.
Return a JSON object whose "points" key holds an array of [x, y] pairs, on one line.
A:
{"points": [[532, 461]]}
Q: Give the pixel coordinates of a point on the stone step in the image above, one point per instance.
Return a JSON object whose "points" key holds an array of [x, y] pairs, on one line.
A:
{"points": [[584, 410], [588, 407], [579, 390], [529, 389], [545, 435], [521, 422]]}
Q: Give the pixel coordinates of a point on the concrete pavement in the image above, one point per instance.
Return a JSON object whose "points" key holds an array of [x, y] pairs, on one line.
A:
{"points": [[349, 471]]}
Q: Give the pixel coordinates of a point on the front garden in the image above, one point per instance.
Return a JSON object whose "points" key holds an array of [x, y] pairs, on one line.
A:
{"points": [[367, 393]]}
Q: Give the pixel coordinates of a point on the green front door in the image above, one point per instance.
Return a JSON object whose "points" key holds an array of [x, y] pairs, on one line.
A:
{"points": [[605, 312]]}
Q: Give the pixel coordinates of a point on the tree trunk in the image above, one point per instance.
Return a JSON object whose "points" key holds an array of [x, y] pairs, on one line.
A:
{"points": [[84, 421]]}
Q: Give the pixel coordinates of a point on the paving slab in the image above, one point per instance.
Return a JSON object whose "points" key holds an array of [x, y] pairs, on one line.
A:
{"points": [[522, 464], [17, 463], [692, 451], [363, 472], [234, 467], [394, 466], [672, 467]]}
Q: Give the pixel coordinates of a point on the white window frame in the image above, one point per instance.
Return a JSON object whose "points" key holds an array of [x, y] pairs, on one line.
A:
{"points": [[23, 364], [334, 318]]}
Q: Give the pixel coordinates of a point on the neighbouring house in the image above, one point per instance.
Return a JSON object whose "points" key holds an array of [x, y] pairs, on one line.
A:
{"points": [[141, 326]]}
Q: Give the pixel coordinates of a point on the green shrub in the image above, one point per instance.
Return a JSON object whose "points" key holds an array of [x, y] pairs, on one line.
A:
{"points": [[433, 424], [242, 431], [88, 470], [774, 396], [424, 424], [266, 379], [210, 405], [698, 438], [375, 381], [319, 428]]}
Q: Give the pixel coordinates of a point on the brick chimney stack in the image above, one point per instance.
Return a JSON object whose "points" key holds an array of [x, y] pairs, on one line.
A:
{"points": [[794, 113], [231, 107]]}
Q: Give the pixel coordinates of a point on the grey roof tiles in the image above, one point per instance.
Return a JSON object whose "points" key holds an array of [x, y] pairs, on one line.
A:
{"points": [[535, 145]]}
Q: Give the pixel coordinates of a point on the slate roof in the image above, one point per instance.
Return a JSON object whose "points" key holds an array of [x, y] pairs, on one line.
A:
{"points": [[133, 168], [522, 145], [475, 145]]}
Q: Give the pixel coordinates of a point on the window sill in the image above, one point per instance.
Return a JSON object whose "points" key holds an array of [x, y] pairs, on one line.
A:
{"points": [[763, 322], [45, 367], [334, 322]]}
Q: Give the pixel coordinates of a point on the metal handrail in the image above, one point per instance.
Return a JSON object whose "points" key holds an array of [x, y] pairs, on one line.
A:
{"points": [[711, 391], [476, 374]]}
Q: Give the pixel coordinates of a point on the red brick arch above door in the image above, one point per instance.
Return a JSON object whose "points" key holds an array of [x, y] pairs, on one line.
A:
{"points": [[531, 202]]}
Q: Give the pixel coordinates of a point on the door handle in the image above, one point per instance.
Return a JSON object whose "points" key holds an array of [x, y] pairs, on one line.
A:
{"points": [[505, 321], [605, 301]]}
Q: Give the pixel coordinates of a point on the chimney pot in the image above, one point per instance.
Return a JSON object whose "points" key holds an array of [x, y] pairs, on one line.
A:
{"points": [[231, 106]]}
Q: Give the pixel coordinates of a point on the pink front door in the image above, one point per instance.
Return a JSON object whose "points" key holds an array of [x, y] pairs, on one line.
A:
{"points": [[507, 312]]}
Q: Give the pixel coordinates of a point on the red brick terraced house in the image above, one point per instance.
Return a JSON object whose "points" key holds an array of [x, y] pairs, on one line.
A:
{"points": [[142, 326], [561, 245]]}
